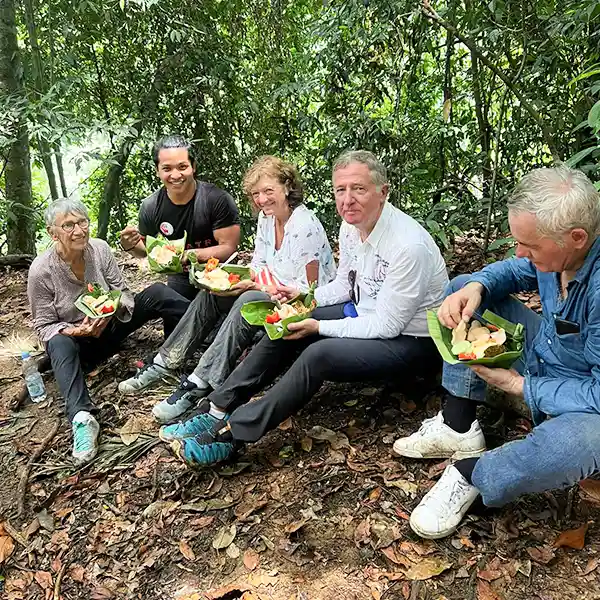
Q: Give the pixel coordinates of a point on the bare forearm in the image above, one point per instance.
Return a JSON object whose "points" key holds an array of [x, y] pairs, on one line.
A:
{"points": [[222, 252], [138, 251]]}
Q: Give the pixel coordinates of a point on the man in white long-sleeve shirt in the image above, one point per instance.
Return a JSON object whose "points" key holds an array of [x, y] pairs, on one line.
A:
{"points": [[371, 320]]}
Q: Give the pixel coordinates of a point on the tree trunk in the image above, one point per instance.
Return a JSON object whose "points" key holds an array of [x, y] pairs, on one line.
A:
{"points": [[17, 175], [112, 187], [39, 89], [59, 168], [484, 127]]}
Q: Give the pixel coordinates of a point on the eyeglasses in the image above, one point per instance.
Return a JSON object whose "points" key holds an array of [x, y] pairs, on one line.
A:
{"points": [[354, 288], [69, 226]]}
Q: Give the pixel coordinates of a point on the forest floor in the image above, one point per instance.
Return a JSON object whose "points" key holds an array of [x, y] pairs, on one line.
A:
{"points": [[316, 511]]}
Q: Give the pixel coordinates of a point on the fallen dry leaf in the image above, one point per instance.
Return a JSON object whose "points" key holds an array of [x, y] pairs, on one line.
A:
{"points": [[541, 555], [44, 579], [233, 551], [375, 494], [287, 424], [102, 593], [591, 489], [572, 538], [362, 532], [427, 568], [251, 559], [591, 566], [489, 575], [76, 573], [201, 522], [7, 547], [187, 552], [485, 591], [409, 488], [296, 525], [130, 432], [391, 553], [224, 537], [306, 443]]}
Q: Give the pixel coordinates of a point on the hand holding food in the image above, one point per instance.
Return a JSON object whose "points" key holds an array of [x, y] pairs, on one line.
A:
{"points": [[461, 305], [130, 237]]}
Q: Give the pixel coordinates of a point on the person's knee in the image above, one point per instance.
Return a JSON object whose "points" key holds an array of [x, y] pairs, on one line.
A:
{"points": [[252, 296], [60, 345], [579, 434], [318, 357], [457, 283]]}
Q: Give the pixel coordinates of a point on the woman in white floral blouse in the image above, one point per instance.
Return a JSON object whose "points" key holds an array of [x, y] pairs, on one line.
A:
{"points": [[291, 248]]}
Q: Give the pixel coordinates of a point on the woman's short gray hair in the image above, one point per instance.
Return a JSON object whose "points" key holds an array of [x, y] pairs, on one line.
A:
{"points": [[376, 168], [561, 198], [64, 206]]}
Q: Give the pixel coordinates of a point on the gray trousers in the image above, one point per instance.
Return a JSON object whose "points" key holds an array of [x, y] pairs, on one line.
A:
{"points": [[235, 335], [194, 327]]}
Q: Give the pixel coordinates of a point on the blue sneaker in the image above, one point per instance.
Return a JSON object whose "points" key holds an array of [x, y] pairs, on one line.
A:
{"points": [[195, 425], [207, 449]]}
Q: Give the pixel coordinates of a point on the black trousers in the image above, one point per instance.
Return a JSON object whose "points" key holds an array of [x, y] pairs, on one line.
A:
{"points": [[69, 356], [318, 359], [180, 282]]}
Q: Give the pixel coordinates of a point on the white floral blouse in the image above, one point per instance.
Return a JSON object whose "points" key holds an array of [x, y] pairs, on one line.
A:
{"points": [[304, 241]]}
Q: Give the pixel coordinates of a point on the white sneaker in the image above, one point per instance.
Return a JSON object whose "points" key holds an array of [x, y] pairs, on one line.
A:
{"points": [[435, 439], [85, 437], [147, 376], [444, 506]]}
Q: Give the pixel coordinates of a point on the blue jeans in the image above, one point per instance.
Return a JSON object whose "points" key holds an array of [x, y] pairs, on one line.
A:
{"points": [[556, 454]]}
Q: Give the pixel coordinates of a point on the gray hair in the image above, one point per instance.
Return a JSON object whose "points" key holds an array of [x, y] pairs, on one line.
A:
{"points": [[64, 206], [376, 168], [561, 198]]}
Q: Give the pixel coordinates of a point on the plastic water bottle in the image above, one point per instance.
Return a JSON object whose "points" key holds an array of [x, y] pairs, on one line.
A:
{"points": [[33, 379]]}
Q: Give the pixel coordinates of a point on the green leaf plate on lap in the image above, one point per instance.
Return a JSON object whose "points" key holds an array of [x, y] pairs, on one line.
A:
{"points": [[442, 337], [114, 295], [256, 313], [175, 265], [196, 268]]}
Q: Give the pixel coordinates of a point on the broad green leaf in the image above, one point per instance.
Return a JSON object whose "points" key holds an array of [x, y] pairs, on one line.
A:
{"points": [[594, 116], [594, 70], [574, 160]]}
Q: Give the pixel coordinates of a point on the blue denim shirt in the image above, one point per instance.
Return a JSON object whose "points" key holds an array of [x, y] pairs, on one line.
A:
{"points": [[562, 372]]}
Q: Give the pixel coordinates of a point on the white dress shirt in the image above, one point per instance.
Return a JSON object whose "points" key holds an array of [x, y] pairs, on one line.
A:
{"points": [[400, 274]]}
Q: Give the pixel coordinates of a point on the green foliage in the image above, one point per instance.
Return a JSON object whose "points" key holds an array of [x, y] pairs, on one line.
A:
{"points": [[308, 79]]}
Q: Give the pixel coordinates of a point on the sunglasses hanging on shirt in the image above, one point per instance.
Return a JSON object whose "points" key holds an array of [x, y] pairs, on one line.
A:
{"points": [[354, 288]]}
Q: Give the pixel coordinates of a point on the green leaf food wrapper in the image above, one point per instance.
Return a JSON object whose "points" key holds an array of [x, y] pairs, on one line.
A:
{"points": [[256, 313], [175, 265], [197, 268], [114, 295], [442, 337]]}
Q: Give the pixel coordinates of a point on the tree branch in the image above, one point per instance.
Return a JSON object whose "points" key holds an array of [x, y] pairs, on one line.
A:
{"points": [[431, 14]]}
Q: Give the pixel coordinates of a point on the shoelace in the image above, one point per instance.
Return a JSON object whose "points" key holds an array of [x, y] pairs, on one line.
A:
{"points": [[457, 492], [83, 438], [427, 424]]}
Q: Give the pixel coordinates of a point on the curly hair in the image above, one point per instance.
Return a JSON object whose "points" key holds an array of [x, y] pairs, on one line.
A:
{"points": [[284, 172]]}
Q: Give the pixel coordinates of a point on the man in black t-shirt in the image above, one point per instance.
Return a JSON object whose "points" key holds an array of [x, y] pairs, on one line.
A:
{"points": [[208, 214]]}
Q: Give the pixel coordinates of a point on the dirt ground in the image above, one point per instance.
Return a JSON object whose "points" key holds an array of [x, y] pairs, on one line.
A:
{"points": [[316, 511]]}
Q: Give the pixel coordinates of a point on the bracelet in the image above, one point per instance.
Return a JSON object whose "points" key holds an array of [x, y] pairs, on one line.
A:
{"points": [[126, 249]]}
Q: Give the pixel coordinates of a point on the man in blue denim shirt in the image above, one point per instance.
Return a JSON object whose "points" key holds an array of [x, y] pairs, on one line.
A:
{"points": [[554, 216]]}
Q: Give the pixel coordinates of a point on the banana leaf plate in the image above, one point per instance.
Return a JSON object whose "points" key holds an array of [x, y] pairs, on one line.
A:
{"points": [[114, 295], [176, 265], [256, 313], [442, 337]]}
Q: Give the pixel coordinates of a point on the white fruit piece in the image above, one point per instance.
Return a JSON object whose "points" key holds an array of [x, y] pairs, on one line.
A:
{"points": [[459, 334]]}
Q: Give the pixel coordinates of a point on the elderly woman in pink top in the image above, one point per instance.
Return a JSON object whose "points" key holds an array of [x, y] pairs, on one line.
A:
{"points": [[56, 278]]}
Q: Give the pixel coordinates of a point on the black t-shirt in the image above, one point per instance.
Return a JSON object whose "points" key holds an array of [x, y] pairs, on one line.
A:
{"points": [[210, 209]]}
